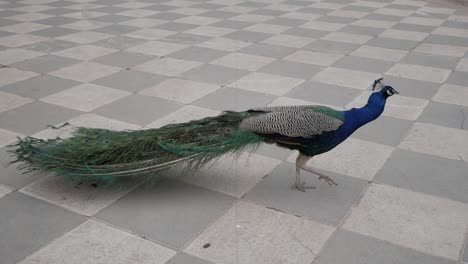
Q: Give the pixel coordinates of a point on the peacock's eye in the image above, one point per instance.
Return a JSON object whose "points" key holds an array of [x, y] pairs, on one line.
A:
{"points": [[389, 92]]}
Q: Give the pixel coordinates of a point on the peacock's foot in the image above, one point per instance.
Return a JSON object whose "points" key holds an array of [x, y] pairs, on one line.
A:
{"points": [[301, 186], [327, 180]]}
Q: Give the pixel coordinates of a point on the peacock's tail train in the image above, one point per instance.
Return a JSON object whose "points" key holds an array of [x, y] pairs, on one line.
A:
{"points": [[103, 155]]}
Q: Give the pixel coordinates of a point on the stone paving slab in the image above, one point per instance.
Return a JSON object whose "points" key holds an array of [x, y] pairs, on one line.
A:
{"points": [[124, 64]]}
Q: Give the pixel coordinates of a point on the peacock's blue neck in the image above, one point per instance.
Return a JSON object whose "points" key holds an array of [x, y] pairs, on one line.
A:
{"points": [[357, 117]]}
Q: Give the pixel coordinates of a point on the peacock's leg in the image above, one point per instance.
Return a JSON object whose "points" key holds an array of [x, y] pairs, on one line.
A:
{"points": [[300, 162]]}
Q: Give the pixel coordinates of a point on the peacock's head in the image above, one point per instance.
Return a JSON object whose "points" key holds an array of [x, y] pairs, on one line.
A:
{"points": [[383, 89]]}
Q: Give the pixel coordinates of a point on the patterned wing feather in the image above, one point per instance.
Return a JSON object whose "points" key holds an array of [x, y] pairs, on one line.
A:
{"points": [[294, 121]]}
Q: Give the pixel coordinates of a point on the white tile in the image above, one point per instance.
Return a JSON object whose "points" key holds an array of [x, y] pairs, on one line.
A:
{"points": [[198, 20], [348, 13], [184, 114], [83, 199], [224, 44], [354, 157], [157, 48], [463, 65], [85, 97], [231, 174], [85, 52], [144, 22], [210, 31], [289, 41], [423, 21], [85, 72], [397, 106], [243, 61], [89, 14], [326, 5], [252, 234], [394, 12], [137, 13], [267, 28], [410, 2], [85, 37], [184, 91], [347, 37], [347, 78], [20, 40], [10, 56], [150, 33], [12, 75], [301, 16], [374, 23], [314, 57], [452, 94], [4, 190], [379, 53], [95, 242], [267, 83], [325, 26], [86, 120], [370, 4], [436, 140], [29, 17], [438, 49], [418, 72], [436, 10], [85, 6], [458, 18], [133, 5], [283, 7], [168, 66], [180, 3], [33, 8], [85, 25], [429, 224], [23, 28], [7, 137], [252, 18], [237, 9], [9, 101], [189, 11], [404, 35], [453, 32]]}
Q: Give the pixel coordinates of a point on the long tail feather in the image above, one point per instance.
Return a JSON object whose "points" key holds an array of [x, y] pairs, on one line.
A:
{"points": [[100, 154]]}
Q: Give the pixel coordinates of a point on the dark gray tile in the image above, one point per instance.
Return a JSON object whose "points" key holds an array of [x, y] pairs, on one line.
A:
{"points": [[465, 255], [248, 36], [116, 29], [304, 32], [9, 12], [51, 45], [159, 7], [124, 59], [176, 26], [326, 203], [198, 54], [27, 224], [182, 258], [431, 60], [267, 50], [362, 30], [119, 42], [268, 12], [232, 24], [10, 175], [234, 99], [448, 115], [384, 130], [391, 43], [138, 109], [403, 7], [59, 11], [292, 69], [253, 4], [45, 64], [208, 6], [455, 24], [5, 34], [7, 22], [447, 40], [57, 20], [459, 78], [167, 16], [426, 173], [34, 117], [363, 64], [383, 17], [184, 38], [352, 248], [170, 212], [54, 32], [331, 46], [219, 14], [359, 8], [39, 86], [314, 10], [131, 80], [297, 3], [413, 27], [335, 19], [214, 74], [113, 18], [412, 88], [286, 21], [110, 10], [61, 3], [324, 93]]}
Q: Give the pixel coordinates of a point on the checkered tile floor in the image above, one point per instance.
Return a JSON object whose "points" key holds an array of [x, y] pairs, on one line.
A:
{"points": [[403, 180]]}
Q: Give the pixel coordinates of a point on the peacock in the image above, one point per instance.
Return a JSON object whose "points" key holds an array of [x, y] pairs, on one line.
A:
{"points": [[105, 155]]}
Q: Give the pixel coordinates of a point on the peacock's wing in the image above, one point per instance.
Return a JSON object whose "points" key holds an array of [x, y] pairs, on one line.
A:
{"points": [[294, 121]]}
